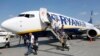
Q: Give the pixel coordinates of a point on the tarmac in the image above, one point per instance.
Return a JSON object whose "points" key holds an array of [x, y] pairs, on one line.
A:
{"points": [[78, 47]]}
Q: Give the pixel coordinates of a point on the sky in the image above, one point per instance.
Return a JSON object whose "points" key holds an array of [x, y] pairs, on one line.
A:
{"points": [[79, 9]]}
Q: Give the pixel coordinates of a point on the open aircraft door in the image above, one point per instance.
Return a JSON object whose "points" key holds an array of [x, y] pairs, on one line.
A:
{"points": [[43, 14]]}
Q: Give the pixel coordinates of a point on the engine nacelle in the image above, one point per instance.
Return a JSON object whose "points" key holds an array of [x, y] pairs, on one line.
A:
{"points": [[92, 33]]}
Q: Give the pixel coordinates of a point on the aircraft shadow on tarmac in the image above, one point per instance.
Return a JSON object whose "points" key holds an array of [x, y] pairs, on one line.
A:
{"points": [[57, 47], [52, 52], [46, 42]]}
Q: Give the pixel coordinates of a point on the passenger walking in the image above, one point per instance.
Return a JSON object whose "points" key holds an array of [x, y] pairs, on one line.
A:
{"points": [[25, 37], [64, 39], [56, 25], [35, 47], [30, 44]]}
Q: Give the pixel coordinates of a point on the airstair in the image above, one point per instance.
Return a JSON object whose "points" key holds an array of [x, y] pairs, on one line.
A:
{"points": [[45, 20], [57, 35]]}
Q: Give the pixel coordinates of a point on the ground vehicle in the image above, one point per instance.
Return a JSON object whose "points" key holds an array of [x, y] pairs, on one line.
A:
{"points": [[5, 38]]}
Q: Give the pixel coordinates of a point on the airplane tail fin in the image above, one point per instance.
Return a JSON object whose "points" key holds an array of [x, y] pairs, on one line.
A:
{"points": [[91, 18], [90, 21]]}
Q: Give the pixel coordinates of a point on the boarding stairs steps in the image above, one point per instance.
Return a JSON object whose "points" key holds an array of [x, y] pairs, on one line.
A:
{"points": [[57, 35]]}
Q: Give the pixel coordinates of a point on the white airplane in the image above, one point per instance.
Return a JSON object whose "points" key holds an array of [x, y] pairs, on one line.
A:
{"points": [[36, 22]]}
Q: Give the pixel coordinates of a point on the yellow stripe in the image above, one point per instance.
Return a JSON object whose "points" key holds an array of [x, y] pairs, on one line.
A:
{"points": [[37, 30], [98, 35], [28, 31], [66, 27]]}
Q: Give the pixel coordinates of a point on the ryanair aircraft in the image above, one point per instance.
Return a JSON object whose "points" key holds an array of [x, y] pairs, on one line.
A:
{"points": [[37, 22]]}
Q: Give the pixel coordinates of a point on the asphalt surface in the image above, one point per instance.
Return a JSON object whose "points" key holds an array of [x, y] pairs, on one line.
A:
{"points": [[48, 48]]}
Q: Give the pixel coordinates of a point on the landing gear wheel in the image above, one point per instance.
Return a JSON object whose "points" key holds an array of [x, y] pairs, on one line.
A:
{"points": [[91, 39]]}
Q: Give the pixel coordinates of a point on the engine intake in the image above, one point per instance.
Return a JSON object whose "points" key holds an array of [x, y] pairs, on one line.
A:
{"points": [[91, 33]]}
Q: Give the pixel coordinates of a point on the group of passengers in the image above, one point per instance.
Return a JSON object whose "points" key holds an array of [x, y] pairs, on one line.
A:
{"points": [[32, 43], [59, 30]]}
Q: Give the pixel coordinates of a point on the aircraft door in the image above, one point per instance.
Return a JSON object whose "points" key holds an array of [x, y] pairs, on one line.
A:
{"points": [[43, 15], [44, 18]]}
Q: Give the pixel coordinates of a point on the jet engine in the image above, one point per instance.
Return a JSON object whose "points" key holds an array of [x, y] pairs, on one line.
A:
{"points": [[92, 33]]}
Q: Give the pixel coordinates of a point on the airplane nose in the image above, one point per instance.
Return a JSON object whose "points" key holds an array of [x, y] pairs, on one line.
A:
{"points": [[11, 24], [7, 24], [3, 24]]}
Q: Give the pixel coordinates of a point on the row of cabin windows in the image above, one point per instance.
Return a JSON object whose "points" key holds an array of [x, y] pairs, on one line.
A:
{"points": [[26, 15]]}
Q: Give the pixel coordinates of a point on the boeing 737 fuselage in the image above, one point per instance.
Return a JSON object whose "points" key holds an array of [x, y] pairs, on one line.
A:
{"points": [[35, 22]]}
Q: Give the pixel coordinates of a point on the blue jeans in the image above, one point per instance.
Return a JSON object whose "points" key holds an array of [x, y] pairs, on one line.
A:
{"points": [[30, 50]]}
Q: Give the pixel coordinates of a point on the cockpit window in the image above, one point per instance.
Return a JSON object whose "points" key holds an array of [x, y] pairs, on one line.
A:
{"points": [[32, 15], [26, 15]]}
